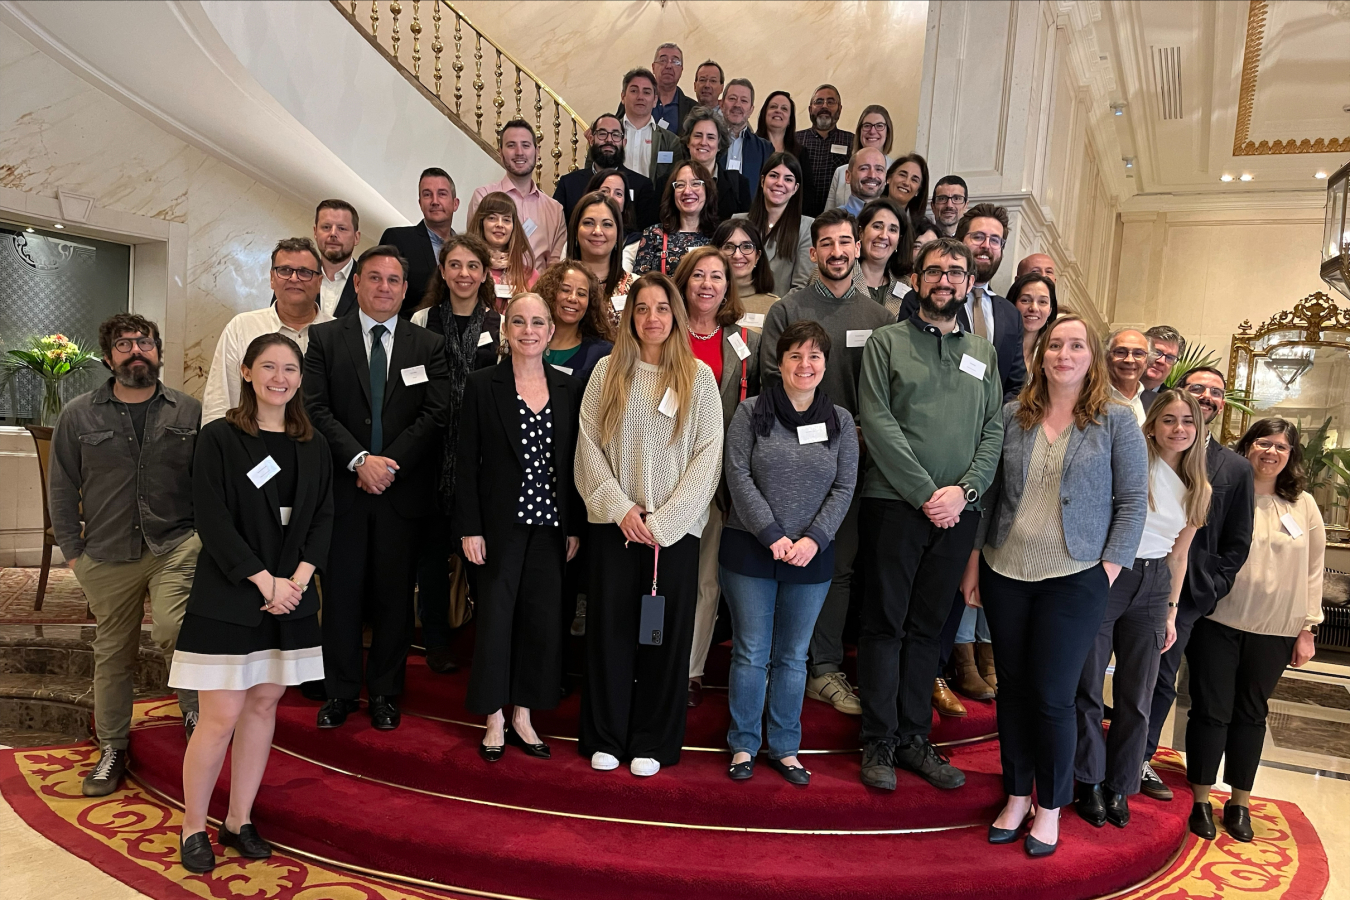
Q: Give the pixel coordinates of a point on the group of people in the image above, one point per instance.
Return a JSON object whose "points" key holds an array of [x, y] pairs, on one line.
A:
{"points": [[785, 378]]}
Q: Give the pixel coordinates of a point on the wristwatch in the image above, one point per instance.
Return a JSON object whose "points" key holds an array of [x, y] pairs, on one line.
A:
{"points": [[971, 494], [360, 459], [1312, 629]]}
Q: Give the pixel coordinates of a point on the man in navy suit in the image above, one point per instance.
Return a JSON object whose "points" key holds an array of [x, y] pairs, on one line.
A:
{"points": [[746, 152], [608, 143], [420, 244]]}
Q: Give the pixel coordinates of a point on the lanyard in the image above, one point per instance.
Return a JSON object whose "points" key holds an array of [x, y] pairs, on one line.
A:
{"points": [[656, 558], [665, 243]]}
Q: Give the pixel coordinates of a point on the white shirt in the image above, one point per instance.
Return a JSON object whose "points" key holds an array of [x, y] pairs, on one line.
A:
{"points": [[222, 381], [367, 323], [1166, 511], [1134, 403], [330, 290], [986, 306], [735, 148], [638, 151]]}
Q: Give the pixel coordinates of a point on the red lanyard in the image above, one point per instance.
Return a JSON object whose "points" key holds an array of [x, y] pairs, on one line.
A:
{"points": [[743, 372], [665, 242]]}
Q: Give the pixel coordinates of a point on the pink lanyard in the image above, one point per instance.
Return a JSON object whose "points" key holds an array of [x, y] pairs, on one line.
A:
{"points": [[656, 558]]}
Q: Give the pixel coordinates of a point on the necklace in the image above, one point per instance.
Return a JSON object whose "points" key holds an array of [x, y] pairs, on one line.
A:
{"points": [[704, 337]]}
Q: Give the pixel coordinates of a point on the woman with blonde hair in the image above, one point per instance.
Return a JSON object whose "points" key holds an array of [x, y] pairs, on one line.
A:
{"points": [[1141, 613], [511, 262], [649, 453]]}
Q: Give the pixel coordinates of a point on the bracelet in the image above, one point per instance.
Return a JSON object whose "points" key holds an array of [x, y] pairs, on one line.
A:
{"points": [[1173, 605], [304, 585]]}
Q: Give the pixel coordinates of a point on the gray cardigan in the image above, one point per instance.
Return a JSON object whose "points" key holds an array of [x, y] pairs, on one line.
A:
{"points": [[780, 487], [1103, 488]]}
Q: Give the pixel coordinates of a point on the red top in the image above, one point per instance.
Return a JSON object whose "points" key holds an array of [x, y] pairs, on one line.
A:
{"points": [[710, 352]]}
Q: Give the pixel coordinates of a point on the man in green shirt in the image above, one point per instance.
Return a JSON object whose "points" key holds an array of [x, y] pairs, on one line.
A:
{"points": [[930, 406]]}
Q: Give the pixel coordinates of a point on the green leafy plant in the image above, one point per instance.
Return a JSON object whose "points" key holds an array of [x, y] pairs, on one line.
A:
{"points": [[53, 359], [1325, 464], [1198, 356]]}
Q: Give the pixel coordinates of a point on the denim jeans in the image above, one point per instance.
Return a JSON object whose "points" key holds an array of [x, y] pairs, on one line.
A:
{"points": [[771, 628], [974, 627]]}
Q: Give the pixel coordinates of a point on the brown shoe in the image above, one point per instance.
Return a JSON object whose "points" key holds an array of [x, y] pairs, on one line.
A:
{"points": [[984, 662], [945, 702], [966, 677]]}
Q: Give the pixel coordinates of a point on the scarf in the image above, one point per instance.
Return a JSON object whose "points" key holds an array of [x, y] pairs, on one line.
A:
{"points": [[774, 404]]}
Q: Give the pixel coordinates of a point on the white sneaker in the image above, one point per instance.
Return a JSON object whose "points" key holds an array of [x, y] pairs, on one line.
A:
{"points": [[644, 766], [603, 761]]}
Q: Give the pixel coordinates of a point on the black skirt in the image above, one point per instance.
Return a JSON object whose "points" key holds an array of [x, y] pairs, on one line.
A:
{"points": [[212, 655]]}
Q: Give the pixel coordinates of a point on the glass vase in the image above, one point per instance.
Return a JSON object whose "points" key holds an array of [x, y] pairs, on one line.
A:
{"points": [[51, 402]]}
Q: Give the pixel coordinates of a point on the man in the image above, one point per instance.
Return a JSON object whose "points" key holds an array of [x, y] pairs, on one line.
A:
{"points": [[377, 387], [337, 231], [1038, 263], [607, 151], [849, 315], [120, 495], [949, 203], [866, 176], [708, 78], [671, 104], [746, 151], [295, 278], [1128, 354], [420, 244], [1168, 346], [650, 146], [1218, 550], [931, 405], [824, 148], [540, 215]]}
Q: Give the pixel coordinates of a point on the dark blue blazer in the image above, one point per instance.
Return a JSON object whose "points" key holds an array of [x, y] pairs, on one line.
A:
{"points": [[591, 351], [755, 151], [572, 187]]}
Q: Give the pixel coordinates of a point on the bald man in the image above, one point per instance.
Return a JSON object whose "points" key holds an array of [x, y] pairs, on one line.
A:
{"points": [[866, 177], [1038, 263]]}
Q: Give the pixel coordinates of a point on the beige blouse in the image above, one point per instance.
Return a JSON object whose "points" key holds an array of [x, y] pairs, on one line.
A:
{"points": [[1279, 589]]}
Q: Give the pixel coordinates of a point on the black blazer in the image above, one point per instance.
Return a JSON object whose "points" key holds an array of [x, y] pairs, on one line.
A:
{"points": [[1012, 368], [413, 242], [337, 396], [347, 302], [591, 351], [491, 465], [1219, 549], [641, 195], [240, 524]]}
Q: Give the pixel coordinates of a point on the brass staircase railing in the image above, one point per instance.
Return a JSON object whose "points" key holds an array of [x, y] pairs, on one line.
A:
{"points": [[381, 22]]}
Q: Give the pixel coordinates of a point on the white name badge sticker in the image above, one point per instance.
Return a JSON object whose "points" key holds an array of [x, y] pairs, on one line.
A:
{"points": [[414, 375], [619, 301], [900, 289], [663, 124], [505, 290], [285, 515], [1287, 520], [857, 338], [566, 370], [972, 366], [632, 194], [752, 320], [263, 472], [734, 165], [838, 148], [668, 407], [484, 339], [665, 156], [738, 344], [530, 227], [811, 434]]}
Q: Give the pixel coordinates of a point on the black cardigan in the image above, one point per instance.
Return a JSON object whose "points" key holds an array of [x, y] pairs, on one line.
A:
{"points": [[491, 467], [240, 524]]}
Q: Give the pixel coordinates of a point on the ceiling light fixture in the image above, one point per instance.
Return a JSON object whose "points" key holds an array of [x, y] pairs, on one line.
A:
{"points": [[1319, 174], [57, 225], [1245, 176], [29, 229], [1225, 177], [1129, 161], [1117, 106]]}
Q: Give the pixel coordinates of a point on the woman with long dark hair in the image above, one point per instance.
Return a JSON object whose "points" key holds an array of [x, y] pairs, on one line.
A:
{"points": [[1034, 296], [886, 254], [778, 124], [688, 220], [612, 184], [741, 244], [595, 239], [907, 184], [776, 211]]}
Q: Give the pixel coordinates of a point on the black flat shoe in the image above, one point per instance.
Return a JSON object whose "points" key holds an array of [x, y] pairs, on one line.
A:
{"points": [[1117, 808], [538, 751], [335, 711], [384, 714], [196, 853], [247, 841], [1237, 821], [441, 661], [793, 774], [742, 771], [491, 754], [1008, 835], [1201, 822], [1090, 804], [1038, 849]]}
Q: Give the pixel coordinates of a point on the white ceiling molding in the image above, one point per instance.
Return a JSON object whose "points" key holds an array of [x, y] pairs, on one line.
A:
{"points": [[74, 207]]}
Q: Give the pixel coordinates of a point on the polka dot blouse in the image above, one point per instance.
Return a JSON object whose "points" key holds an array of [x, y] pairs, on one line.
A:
{"points": [[538, 493]]}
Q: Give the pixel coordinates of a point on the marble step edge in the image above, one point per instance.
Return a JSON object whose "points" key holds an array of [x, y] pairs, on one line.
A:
{"points": [[62, 637], [66, 690]]}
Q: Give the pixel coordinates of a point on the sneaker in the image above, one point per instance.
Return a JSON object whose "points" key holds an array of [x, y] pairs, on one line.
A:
{"points": [[644, 766], [106, 777], [579, 620], [922, 758], [603, 762], [834, 689], [190, 722], [1150, 785], [878, 766]]}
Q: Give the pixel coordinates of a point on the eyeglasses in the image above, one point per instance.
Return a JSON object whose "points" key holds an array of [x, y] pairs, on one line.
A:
{"points": [[1266, 446], [1169, 358], [1199, 390], [286, 272], [681, 185], [1124, 353], [124, 345], [872, 126], [933, 275], [614, 136], [980, 237], [948, 201], [668, 61], [745, 247]]}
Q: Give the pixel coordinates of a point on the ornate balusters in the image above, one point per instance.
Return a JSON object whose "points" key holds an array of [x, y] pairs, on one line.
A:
{"points": [[374, 18], [478, 78], [353, 9], [519, 114], [416, 29], [497, 99], [459, 59], [394, 9], [574, 144], [437, 46], [538, 128], [557, 141]]}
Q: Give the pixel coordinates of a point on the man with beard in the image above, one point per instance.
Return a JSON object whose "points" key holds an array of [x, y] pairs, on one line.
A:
{"points": [[949, 203], [1128, 354], [420, 244], [120, 493], [1168, 346], [824, 148], [296, 277], [337, 231], [931, 408], [849, 315], [746, 151], [540, 215], [866, 176], [608, 151]]}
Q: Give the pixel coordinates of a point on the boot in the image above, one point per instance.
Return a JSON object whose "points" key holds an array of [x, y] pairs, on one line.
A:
{"points": [[984, 661], [945, 702], [967, 678]]}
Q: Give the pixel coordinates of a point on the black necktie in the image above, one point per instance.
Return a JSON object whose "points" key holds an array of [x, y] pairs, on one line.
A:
{"points": [[379, 373]]}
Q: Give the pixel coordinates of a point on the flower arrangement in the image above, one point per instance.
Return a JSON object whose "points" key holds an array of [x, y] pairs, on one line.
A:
{"points": [[53, 359]]}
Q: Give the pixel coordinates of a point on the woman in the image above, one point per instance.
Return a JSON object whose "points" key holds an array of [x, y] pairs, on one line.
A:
{"points": [[705, 139], [519, 517], [789, 495], [1141, 613], [688, 220], [611, 183], [1034, 296], [907, 184], [593, 239], [512, 262], [874, 130], [581, 326], [776, 211], [741, 244], [1268, 621], [778, 123], [1047, 567], [886, 257], [705, 282], [649, 454], [262, 491], [924, 231]]}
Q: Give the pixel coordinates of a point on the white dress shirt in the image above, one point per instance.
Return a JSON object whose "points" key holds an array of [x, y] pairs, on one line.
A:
{"points": [[638, 151], [367, 323], [330, 289], [222, 381], [1134, 403], [986, 307]]}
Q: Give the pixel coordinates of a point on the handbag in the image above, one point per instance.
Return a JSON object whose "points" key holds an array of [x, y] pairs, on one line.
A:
{"points": [[461, 604]]}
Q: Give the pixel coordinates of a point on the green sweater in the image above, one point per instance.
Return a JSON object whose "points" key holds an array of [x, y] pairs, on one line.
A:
{"points": [[927, 423]]}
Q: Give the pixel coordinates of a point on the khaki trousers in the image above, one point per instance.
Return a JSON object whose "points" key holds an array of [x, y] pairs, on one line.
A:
{"points": [[709, 591], [116, 592]]}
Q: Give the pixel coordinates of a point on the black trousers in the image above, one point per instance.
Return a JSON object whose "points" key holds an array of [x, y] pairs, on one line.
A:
{"points": [[518, 641], [1135, 626], [1165, 689], [1042, 632], [434, 546], [636, 695], [1233, 674], [912, 567], [370, 576]]}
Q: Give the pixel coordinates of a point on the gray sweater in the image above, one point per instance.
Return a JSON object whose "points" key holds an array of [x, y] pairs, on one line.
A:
{"points": [[783, 488]]}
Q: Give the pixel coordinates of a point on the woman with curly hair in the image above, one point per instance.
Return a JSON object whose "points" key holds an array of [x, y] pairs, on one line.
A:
{"points": [[582, 331]]}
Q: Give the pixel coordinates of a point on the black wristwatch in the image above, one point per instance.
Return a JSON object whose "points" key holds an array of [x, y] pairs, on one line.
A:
{"points": [[971, 494], [1312, 629]]}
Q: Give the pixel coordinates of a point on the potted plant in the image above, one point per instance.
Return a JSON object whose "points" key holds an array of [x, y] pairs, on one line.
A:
{"points": [[52, 359]]}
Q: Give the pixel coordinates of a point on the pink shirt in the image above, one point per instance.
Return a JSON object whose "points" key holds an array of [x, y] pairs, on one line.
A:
{"points": [[540, 215]]}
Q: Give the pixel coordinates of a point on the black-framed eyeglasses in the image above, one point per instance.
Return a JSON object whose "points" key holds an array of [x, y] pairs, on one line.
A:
{"points": [[746, 247], [287, 272], [872, 126], [615, 136], [948, 201], [933, 275], [1169, 358], [980, 237], [124, 345]]}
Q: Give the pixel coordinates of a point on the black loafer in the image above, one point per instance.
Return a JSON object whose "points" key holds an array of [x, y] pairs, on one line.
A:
{"points": [[1237, 821], [1038, 849], [1117, 808], [538, 751], [196, 853], [1090, 804], [384, 714], [335, 711], [793, 774], [1201, 822], [247, 841], [742, 771], [441, 661], [491, 754]]}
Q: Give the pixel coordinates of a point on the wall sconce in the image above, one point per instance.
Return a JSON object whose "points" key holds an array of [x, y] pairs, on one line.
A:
{"points": [[1335, 236]]}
